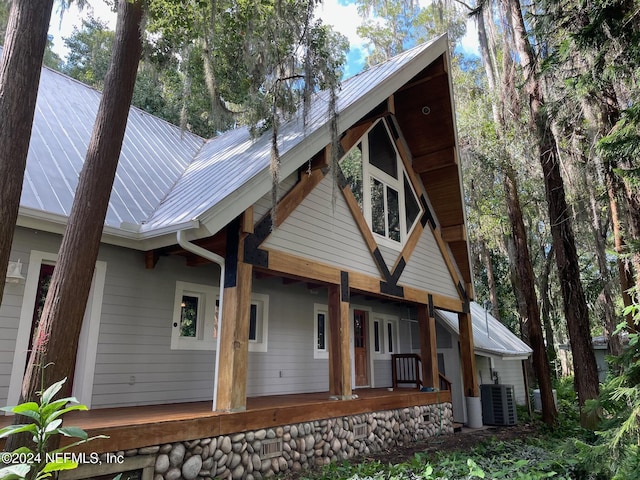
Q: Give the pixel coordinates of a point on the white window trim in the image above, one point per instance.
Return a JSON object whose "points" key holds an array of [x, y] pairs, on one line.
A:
{"points": [[317, 352], [384, 321], [369, 171], [206, 328], [206, 322], [262, 303], [88, 344]]}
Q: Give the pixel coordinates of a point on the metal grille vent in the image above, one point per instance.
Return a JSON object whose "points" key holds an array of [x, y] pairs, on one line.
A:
{"points": [[498, 404], [360, 430], [271, 448]]}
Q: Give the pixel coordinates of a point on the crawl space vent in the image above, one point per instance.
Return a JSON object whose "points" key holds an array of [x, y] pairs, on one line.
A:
{"points": [[360, 431], [271, 448]]}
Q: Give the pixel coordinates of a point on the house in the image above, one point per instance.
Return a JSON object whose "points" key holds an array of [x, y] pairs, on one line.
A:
{"points": [[227, 337]]}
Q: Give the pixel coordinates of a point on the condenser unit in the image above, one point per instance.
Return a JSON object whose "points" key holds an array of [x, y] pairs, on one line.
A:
{"points": [[498, 404]]}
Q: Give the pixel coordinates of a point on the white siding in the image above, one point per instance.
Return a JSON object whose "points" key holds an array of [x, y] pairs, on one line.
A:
{"points": [[426, 268], [317, 231], [262, 206], [288, 365], [509, 373], [23, 242], [135, 364]]}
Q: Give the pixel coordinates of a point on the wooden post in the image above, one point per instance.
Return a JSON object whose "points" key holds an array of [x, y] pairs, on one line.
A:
{"points": [[428, 347], [234, 326], [339, 339], [467, 356]]}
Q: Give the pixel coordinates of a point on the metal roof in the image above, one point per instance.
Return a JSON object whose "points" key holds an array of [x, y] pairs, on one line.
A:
{"points": [[234, 168], [169, 180], [154, 154], [489, 334]]}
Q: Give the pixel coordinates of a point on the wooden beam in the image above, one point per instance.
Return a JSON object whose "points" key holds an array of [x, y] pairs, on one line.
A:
{"points": [[352, 135], [308, 181], [454, 233], [151, 258], [467, 356], [428, 346], [305, 269], [234, 325], [339, 340], [435, 160], [247, 221]]}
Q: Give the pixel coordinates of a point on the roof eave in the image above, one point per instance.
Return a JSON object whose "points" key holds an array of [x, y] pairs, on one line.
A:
{"points": [[219, 215]]}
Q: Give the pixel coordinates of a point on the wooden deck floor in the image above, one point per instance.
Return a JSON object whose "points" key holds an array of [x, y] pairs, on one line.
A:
{"points": [[135, 427]]}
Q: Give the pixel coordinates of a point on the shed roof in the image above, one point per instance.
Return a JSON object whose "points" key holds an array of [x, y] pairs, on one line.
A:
{"points": [[489, 334]]}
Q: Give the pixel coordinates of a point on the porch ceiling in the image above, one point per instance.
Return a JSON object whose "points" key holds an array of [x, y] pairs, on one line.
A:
{"points": [[424, 111]]}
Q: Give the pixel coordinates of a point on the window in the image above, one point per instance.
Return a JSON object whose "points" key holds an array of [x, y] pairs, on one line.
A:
{"points": [[385, 336], [195, 321], [35, 290], [258, 322], [195, 318], [320, 331], [376, 175]]}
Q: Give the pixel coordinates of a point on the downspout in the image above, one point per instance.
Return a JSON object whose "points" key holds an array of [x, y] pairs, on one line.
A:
{"points": [[215, 258]]}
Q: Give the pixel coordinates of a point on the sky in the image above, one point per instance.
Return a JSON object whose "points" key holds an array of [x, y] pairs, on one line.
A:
{"points": [[341, 14]]}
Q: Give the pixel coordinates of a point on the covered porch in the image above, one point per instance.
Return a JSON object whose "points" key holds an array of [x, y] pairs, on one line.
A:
{"points": [[148, 425]]}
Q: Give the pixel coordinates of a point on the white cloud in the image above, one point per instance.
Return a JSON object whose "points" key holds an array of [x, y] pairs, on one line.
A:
{"points": [[62, 26]]}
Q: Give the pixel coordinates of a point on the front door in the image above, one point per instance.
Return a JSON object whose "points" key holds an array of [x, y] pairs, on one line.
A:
{"points": [[360, 348]]}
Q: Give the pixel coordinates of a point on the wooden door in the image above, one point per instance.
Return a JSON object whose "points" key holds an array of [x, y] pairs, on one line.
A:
{"points": [[360, 348]]}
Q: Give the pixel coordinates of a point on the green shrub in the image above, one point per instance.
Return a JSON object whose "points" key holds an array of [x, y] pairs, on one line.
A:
{"points": [[46, 423]]}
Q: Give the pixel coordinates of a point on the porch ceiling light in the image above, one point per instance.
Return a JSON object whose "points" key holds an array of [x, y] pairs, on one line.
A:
{"points": [[14, 272]]}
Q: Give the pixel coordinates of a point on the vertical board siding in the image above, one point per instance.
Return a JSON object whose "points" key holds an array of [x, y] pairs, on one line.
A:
{"points": [[318, 231], [427, 270]]}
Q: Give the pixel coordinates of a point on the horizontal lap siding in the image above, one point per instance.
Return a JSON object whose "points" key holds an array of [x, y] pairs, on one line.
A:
{"points": [[24, 241], [510, 373], [290, 343], [262, 206], [317, 231], [426, 268], [135, 364]]}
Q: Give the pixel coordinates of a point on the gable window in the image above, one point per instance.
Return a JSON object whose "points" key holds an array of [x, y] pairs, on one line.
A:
{"points": [[320, 331], [375, 173]]}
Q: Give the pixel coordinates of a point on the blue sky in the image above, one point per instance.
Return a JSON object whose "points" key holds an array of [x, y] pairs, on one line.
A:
{"points": [[341, 14]]}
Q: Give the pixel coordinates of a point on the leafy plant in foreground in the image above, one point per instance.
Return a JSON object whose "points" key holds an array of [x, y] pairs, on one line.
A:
{"points": [[46, 423]]}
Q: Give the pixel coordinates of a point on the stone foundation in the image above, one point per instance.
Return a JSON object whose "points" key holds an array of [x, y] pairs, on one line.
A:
{"points": [[263, 453]]}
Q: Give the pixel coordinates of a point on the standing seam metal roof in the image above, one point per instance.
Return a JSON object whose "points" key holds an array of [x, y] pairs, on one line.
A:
{"points": [[489, 334], [165, 177]]}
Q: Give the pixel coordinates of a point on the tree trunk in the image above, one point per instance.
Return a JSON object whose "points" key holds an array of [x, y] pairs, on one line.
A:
{"points": [[527, 282], [575, 306], [552, 355], [59, 329], [610, 322], [491, 280], [20, 66], [624, 266]]}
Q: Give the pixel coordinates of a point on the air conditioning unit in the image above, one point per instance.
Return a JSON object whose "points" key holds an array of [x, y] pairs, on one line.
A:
{"points": [[498, 404]]}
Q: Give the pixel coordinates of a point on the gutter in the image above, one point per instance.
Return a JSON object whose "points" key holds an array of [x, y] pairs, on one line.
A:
{"points": [[215, 258]]}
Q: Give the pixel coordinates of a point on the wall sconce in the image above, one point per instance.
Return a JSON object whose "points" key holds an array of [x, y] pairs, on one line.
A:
{"points": [[14, 272]]}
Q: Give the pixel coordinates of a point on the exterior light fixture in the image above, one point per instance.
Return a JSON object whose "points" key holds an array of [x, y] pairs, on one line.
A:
{"points": [[426, 110], [14, 272]]}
